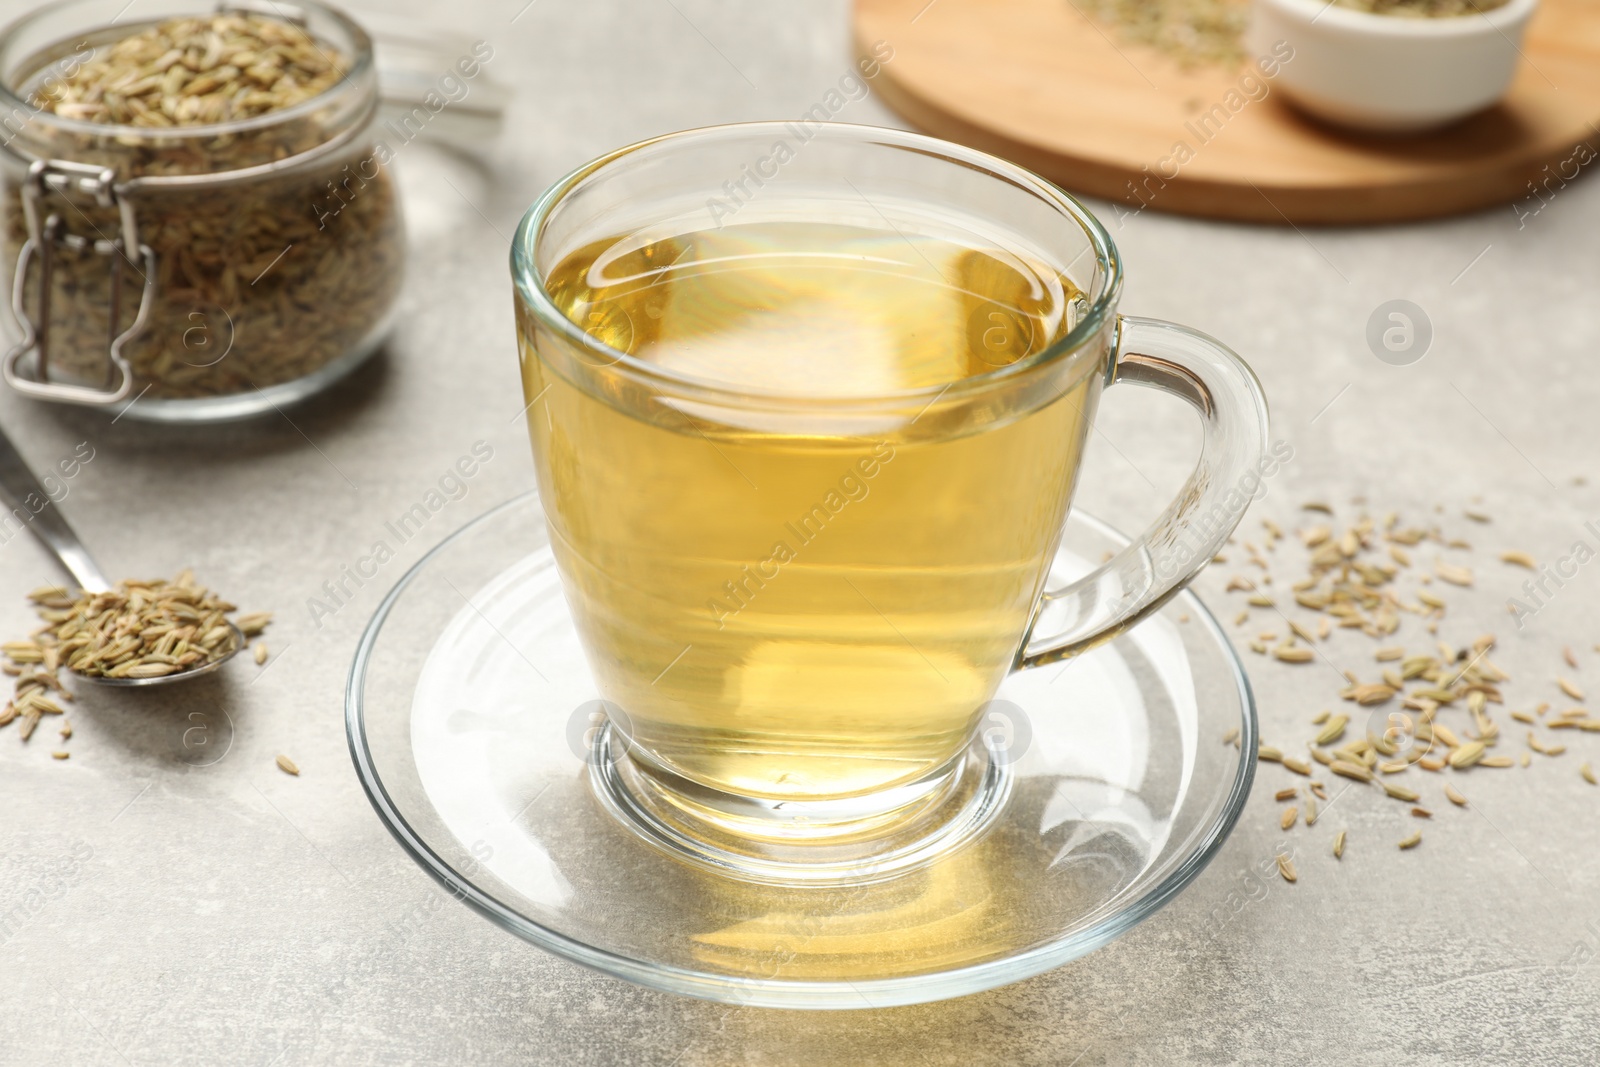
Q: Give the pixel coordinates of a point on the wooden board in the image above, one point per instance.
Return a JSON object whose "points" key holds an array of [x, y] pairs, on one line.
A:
{"points": [[1036, 82]]}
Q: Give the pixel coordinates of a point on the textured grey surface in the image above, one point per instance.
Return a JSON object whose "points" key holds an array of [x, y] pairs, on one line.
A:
{"points": [[174, 913]]}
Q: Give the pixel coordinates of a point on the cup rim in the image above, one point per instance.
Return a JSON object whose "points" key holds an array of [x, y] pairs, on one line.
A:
{"points": [[530, 287]]}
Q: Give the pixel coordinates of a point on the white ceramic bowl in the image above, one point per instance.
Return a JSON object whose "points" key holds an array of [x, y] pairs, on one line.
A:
{"points": [[1382, 72]]}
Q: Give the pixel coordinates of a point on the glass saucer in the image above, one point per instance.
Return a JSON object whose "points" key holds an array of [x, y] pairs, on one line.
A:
{"points": [[471, 717]]}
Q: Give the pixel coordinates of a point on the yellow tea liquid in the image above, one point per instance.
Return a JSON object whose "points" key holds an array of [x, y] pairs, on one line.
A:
{"points": [[789, 604]]}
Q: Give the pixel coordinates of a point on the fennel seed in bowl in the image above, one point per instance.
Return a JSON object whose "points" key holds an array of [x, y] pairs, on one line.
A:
{"points": [[1422, 9]]}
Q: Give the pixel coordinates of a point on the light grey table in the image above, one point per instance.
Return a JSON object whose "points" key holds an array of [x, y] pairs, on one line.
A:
{"points": [[172, 913]]}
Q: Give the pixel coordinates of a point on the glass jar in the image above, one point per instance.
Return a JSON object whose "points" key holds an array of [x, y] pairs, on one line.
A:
{"points": [[192, 273]]}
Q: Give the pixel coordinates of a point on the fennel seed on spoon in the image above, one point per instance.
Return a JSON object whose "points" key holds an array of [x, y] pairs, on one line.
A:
{"points": [[137, 629]]}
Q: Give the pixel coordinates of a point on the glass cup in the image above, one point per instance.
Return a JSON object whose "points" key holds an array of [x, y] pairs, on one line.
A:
{"points": [[798, 602]]}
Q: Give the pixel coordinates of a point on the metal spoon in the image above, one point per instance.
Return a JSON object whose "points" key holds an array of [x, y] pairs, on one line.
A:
{"points": [[17, 483]]}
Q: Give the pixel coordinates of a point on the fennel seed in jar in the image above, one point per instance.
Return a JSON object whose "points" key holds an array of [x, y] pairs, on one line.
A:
{"points": [[242, 144]]}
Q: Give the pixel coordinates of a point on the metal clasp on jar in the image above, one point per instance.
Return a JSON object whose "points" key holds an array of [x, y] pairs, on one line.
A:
{"points": [[48, 233]]}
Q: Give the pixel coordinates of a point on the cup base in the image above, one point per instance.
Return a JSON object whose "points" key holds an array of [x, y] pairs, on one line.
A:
{"points": [[821, 843]]}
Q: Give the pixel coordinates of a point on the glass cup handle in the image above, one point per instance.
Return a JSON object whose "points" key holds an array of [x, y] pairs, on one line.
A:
{"points": [[1161, 561]]}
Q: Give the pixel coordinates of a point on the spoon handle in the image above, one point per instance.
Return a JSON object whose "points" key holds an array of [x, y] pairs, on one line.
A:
{"points": [[29, 504]]}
